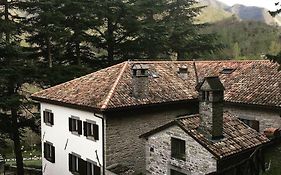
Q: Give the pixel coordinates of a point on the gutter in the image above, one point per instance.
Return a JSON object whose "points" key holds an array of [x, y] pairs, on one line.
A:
{"points": [[103, 143]]}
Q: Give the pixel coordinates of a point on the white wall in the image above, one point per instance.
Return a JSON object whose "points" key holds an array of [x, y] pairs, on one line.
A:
{"points": [[58, 135]]}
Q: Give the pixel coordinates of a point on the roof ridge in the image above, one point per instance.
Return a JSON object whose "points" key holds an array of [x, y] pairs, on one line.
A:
{"points": [[110, 93], [191, 61]]}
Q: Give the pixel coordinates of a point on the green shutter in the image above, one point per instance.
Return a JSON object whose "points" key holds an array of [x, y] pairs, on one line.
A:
{"points": [[82, 166], [70, 124], [45, 150], [53, 154], [85, 128], [44, 117], [96, 170], [52, 118], [96, 131], [70, 162], [79, 127]]}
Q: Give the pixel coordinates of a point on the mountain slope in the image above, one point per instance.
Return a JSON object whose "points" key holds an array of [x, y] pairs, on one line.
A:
{"points": [[217, 11], [251, 13]]}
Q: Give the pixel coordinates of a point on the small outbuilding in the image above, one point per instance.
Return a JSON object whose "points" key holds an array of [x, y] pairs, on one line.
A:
{"points": [[211, 142]]}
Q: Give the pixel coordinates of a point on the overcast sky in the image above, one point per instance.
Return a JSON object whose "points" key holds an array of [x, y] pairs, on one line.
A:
{"points": [[269, 4]]}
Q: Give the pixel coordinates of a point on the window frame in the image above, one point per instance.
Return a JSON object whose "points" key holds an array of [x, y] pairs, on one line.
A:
{"points": [[178, 148], [49, 152], [93, 167], [252, 123], [91, 130], [75, 125], [48, 117]]}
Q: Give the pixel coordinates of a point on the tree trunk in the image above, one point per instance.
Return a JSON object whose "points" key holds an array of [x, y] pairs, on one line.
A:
{"points": [[17, 144], [110, 42], [6, 14], [180, 56], [49, 54]]}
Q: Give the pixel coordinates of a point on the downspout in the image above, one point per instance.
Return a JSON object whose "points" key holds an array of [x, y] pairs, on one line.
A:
{"points": [[103, 143]]}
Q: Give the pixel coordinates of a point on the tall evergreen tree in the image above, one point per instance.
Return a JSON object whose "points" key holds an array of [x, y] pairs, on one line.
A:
{"points": [[15, 70]]}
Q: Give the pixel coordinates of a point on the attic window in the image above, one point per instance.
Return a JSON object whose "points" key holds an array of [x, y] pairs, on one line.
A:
{"points": [[182, 70], [227, 70]]}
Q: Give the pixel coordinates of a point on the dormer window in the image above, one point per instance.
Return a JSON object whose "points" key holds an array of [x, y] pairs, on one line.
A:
{"points": [[227, 70], [183, 72]]}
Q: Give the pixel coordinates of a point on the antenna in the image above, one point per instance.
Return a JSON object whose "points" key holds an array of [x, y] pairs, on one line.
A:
{"points": [[195, 70]]}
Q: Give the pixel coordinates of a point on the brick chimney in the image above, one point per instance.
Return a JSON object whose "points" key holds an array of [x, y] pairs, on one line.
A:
{"points": [[211, 94], [140, 80]]}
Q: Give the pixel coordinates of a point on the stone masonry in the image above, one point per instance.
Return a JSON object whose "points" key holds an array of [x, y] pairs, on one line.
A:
{"points": [[198, 161], [267, 117], [123, 144]]}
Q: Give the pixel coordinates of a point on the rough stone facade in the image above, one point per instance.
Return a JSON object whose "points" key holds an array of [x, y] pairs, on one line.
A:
{"points": [[267, 117], [123, 129], [198, 161]]}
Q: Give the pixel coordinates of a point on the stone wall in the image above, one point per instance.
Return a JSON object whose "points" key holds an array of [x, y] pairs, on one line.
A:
{"points": [[123, 129], [158, 155], [266, 117]]}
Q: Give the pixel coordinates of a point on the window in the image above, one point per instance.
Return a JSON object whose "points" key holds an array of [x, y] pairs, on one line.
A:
{"points": [[227, 70], [49, 152], [78, 165], [48, 117], [75, 125], [205, 96], [178, 148], [174, 172], [255, 124], [93, 169], [91, 130]]}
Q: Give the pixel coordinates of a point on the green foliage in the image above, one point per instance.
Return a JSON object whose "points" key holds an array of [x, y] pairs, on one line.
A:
{"points": [[253, 39]]}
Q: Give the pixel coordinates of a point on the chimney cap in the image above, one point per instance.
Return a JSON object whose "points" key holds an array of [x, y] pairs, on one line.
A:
{"points": [[140, 66], [211, 83]]}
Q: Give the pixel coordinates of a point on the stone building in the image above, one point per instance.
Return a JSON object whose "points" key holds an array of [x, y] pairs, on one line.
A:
{"points": [[133, 97], [211, 142]]}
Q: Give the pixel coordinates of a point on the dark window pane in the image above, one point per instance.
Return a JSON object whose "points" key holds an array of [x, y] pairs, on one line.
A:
{"points": [[178, 148], [174, 172]]}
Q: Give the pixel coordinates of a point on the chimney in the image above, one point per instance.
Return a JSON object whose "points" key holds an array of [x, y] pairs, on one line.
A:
{"points": [[211, 94], [140, 80], [183, 72]]}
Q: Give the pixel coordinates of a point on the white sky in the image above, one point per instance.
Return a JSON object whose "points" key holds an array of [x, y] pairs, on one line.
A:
{"points": [[269, 4]]}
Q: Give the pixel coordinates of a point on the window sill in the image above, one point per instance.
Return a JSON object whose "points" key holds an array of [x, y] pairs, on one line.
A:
{"points": [[49, 124], [91, 138], [75, 133], [49, 159]]}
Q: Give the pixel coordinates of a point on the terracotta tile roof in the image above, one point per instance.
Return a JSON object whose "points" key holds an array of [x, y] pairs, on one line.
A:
{"points": [[237, 135], [251, 82]]}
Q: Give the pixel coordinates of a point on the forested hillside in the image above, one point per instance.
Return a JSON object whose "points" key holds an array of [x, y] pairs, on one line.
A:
{"points": [[245, 39]]}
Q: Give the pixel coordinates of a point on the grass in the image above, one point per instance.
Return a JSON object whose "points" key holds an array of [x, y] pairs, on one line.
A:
{"points": [[29, 163]]}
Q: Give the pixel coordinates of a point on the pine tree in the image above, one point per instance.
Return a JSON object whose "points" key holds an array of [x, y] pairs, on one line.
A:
{"points": [[15, 70]]}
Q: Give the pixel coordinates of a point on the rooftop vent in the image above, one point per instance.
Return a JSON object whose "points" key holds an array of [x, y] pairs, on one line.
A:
{"points": [[183, 72], [227, 70]]}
